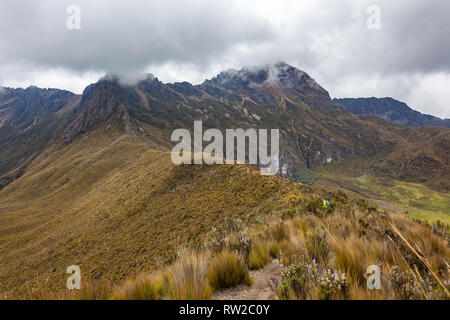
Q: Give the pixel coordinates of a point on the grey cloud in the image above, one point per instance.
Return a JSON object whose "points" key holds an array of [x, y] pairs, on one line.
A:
{"points": [[328, 39], [124, 35]]}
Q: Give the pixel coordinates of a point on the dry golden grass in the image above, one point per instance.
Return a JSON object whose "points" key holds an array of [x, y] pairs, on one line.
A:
{"points": [[144, 287], [186, 279], [228, 269], [259, 254], [117, 209], [356, 239]]}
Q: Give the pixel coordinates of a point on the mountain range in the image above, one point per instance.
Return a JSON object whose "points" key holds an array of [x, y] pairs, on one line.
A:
{"points": [[87, 179], [315, 130], [392, 110]]}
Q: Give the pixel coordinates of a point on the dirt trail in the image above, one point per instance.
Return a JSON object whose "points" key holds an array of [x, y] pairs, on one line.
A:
{"points": [[264, 287]]}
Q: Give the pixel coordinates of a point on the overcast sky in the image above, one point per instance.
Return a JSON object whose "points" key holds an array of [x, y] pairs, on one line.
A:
{"points": [[177, 40]]}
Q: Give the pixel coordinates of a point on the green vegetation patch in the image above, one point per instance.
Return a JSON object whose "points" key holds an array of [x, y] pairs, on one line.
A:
{"points": [[305, 175]]}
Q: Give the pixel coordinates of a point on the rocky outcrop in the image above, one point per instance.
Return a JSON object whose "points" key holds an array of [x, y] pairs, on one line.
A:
{"points": [[100, 101], [29, 120]]}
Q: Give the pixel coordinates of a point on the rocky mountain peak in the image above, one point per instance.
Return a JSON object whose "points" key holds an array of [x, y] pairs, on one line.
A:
{"points": [[278, 74], [128, 79], [99, 102]]}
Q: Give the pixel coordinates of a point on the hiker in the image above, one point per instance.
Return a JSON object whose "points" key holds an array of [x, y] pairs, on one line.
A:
{"points": [[326, 204]]}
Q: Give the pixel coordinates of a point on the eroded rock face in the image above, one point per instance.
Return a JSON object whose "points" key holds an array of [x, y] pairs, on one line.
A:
{"points": [[100, 101], [29, 120]]}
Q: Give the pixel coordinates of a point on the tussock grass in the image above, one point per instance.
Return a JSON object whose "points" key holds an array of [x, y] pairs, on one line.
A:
{"points": [[94, 290], [186, 279], [259, 255], [274, 249], [144, 287], [350, 256], [228, 269], [279, 232], [412, 257]]}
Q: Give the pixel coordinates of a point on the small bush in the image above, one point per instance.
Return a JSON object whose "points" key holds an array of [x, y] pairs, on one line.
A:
{"points": [[305, 175], [364, 205], [313, 206], [350, 255], [340, 196], [259, 255], [226, 270], [288, 214], [332, 285], [284, 291]]}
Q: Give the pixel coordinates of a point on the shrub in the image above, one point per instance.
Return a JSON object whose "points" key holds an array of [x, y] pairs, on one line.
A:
{"points": [[228, 269], [288, 214], [284, 291], [305, 175], [332, 284], [310, 280], [364, 205], [351, 256], [298, 279], [313, 206], [340, 196], [235, 241]]}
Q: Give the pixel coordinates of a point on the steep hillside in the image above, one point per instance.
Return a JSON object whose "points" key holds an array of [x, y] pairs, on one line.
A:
{"points": [[122, 211], [114, 207], [29, 119], [391, 110]]}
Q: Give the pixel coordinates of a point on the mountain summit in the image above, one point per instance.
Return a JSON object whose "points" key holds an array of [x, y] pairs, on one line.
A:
{"points": [[279, 74]]}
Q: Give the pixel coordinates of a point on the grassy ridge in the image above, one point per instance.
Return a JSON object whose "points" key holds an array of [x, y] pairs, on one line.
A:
{"points": [[115, 208], [122, 212]]}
